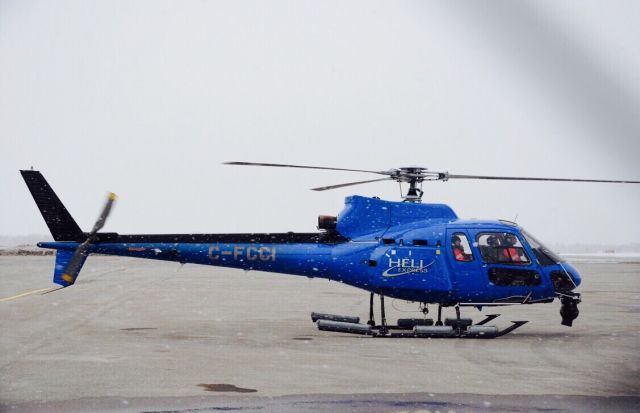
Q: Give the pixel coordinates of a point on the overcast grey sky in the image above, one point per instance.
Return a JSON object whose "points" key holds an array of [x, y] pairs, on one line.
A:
{"points": [[147, 98]]}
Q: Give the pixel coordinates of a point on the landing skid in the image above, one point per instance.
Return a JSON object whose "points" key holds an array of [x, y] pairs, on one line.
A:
{"points": [[477, 330], [413, 327]]}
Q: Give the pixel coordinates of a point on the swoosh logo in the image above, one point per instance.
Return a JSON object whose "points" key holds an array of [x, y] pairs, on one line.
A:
{"points": [[406, 270]]}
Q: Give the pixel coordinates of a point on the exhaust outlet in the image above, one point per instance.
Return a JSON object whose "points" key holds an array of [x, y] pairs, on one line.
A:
{"points": [[327, 222]]}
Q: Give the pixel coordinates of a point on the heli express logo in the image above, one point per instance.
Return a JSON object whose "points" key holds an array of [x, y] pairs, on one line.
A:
{"points": [[406, 266]]}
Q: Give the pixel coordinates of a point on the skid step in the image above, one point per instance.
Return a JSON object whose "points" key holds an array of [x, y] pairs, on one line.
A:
{"points": [[488, 318]]}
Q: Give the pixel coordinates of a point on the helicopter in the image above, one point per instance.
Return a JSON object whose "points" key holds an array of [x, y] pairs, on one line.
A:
{"points": [[408, 250]]}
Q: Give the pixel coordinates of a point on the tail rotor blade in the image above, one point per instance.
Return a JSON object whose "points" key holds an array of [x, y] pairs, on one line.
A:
{"points": [[104, 214], [76, 262], [79, 256]]}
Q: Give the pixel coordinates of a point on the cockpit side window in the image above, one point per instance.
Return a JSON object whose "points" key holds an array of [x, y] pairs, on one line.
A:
{"points": [[501, 248], [460, 247]]}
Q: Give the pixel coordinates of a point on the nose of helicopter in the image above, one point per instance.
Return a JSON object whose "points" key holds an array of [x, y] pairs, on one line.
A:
{"points": [[569, 300], [577, 280]]}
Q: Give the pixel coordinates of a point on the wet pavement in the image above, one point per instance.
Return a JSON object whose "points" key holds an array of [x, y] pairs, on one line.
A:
{"points": [[137, 335]]}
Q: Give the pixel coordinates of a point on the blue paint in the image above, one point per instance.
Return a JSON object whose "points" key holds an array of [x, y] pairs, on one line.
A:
{"points": [[402, 250], [63, 256]]}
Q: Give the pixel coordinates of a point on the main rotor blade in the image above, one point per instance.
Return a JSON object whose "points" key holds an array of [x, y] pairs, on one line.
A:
{"points": [[324, 188], [278, 165], [104, 214], [517, 178]]}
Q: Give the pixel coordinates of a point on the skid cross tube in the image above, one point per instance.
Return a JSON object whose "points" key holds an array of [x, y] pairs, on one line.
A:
{"points": [[383, 326], [371, 321]]}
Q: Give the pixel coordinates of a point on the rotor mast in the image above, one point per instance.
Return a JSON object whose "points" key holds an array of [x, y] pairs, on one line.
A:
{"points": [[413, 175]]}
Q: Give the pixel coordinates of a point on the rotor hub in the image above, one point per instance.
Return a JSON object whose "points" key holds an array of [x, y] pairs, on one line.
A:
{"points": [[414, 176]]}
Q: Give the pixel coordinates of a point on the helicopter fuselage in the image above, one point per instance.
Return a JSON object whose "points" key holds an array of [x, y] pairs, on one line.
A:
{"points": [[410, 251]]}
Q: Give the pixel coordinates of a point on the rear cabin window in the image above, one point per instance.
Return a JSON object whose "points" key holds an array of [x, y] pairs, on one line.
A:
{"points": [[460, 247], [501, 248]]}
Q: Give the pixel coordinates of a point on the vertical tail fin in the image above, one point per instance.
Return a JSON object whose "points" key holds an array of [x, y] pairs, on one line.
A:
{"points": [[62, 226]]}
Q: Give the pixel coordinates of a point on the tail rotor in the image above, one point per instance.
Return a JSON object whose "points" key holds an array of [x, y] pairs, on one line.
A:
{"points": [[71, 263]]}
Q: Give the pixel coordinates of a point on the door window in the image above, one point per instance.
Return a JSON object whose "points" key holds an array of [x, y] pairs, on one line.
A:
{"points": [[460, 247], [501, 248]]}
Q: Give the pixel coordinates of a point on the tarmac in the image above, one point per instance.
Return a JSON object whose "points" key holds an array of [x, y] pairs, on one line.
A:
{"points": [[140, 335]]}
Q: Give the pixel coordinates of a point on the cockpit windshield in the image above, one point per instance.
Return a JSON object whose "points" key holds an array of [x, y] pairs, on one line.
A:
{"points": [[544, 255]]}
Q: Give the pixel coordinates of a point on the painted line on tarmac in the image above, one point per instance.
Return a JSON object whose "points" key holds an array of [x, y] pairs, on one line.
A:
{"points": [[24, 294]]}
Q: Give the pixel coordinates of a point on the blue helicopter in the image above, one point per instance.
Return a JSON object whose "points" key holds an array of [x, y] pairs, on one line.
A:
{"points": [[406, 250]]}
